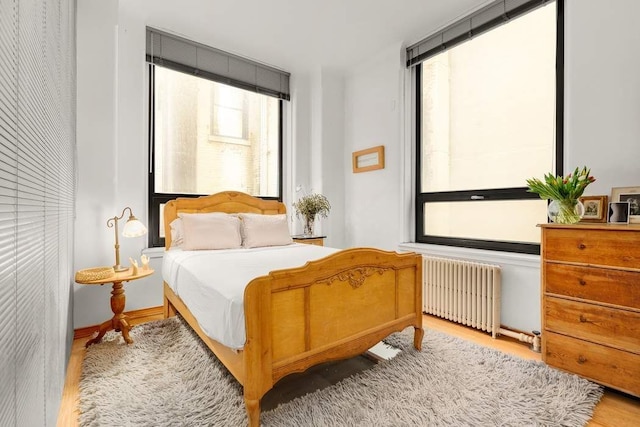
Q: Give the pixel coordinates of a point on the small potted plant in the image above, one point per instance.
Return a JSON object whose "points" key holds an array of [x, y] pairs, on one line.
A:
{"points": [[308, 207]]}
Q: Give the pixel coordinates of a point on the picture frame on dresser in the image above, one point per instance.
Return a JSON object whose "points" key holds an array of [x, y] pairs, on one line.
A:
{"points": [[618, 212], [631, 195], [595, 208]]}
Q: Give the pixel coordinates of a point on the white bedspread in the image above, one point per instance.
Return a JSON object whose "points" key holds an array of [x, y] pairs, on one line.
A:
{"points": [[211, 283]]}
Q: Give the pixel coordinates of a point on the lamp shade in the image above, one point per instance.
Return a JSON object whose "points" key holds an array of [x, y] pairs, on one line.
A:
{"points": [[134, 228]]}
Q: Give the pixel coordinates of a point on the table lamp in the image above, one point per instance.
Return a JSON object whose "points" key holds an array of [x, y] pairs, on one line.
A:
{"points": [[132, 228]]}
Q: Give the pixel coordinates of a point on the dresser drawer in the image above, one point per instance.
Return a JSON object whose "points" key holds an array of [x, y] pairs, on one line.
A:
{"points": [[597, 247], [605, 365], [603, 325], [595, 284]]}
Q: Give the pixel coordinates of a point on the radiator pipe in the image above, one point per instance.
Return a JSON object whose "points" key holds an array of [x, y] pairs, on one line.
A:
{"points": [[534, 339]]}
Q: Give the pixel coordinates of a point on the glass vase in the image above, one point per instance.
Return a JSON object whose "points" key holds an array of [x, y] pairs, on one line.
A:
{"points": [[565, 211], [308, 226]]}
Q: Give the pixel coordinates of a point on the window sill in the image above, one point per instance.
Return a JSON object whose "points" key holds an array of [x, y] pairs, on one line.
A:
{"points": [[156, 252], [494, 257]]}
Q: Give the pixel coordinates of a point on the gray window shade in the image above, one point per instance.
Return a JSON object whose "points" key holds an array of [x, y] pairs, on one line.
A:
{"points": [[490, 16], [187, 56]]}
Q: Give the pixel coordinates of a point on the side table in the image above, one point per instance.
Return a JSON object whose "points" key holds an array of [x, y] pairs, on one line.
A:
{"points": [[119, 320], [309, 240]]}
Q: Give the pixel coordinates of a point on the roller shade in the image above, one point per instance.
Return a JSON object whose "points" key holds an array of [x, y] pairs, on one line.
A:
{"points": [[184, 55], [490, 16]]}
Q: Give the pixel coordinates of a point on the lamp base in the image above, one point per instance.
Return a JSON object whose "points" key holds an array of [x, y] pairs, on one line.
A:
{"points": [[119, 269]]}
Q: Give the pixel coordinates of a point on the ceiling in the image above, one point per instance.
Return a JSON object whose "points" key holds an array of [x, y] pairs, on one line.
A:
{"points": [[298, 34]]}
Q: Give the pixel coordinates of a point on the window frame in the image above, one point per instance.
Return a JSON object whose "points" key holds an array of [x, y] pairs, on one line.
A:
{"points": [[510, 193], [157, 199]]}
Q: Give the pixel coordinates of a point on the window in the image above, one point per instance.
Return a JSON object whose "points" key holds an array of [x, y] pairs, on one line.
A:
{"points": [[229, 116], [209, 137], [215, 124], [487, 119]]}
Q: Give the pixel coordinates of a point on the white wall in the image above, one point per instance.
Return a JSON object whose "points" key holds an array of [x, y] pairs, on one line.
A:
{"points": [[602, 131], [602, 84], [298, 145], [328, 159], [97, 144], [373, 200]]}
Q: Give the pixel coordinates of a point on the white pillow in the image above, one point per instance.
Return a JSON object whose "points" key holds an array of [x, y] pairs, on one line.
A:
{"points": [[177, 228], [177, 233], [214, 230], [264, 230]]}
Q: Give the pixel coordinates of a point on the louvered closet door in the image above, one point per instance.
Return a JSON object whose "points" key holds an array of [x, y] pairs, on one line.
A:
{"points": [[37, 163], [8, 193], [31, 192], [59, 196]]}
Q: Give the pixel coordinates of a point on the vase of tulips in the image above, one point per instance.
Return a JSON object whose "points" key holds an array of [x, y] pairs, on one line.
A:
{"points": [[564, 192]]}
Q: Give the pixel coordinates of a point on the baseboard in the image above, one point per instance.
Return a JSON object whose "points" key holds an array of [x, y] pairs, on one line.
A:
{"points": [[135, 316]]}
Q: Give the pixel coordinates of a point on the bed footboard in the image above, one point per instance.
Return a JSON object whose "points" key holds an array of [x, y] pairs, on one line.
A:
{"points": [[333, 308]]}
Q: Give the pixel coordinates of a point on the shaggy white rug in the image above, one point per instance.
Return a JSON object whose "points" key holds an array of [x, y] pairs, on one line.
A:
{"points": [[167, 377]]}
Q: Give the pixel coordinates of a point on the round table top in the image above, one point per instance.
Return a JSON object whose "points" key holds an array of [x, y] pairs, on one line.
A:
{"points": [[122, 276]]}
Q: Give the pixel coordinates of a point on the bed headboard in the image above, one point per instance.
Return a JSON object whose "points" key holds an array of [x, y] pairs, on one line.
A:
{"points": [[226, 201]]}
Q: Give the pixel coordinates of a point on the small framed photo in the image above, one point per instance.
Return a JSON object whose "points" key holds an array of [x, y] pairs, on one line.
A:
{"points": [[595, 208], [368, 160], [619, 212], [630, 195]]}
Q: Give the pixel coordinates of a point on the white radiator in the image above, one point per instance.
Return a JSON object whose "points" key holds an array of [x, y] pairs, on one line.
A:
{"points": [[463, 292]]}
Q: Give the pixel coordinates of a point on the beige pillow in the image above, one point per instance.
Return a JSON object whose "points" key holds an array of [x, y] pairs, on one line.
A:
{"points": [[264, 230], [210, 231], [177, 233]]}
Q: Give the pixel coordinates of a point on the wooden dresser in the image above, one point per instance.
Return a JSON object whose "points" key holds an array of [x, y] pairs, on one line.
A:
{"points": [[591, 302]]}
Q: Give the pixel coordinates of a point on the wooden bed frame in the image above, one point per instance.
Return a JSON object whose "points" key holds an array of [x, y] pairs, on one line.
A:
{"points": [[329, 309]]}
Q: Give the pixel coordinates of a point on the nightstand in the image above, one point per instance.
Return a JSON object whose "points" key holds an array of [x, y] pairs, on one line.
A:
{"points": [[118, 321], [309, 240]]}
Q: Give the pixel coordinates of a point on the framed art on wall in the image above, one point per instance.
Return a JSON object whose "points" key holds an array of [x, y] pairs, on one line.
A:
{"points": [[369, 159], [595, 208], [630, 195]]}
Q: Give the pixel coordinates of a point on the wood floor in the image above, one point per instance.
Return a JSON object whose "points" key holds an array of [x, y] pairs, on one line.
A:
{"points": [[614, 410]]}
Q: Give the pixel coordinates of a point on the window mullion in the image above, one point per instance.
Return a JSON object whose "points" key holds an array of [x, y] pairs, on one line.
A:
{"points": [[516, 193]]}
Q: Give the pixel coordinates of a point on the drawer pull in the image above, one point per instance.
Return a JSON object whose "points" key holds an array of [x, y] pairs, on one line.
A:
{"points": [[582, 246], [581, 359], [582, 318], [582, 282]]}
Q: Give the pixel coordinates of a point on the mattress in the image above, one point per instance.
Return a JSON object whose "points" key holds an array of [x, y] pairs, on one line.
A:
{"points": [[212, 282]]}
